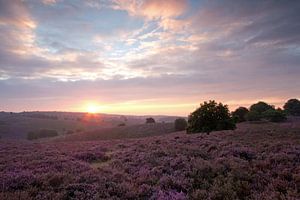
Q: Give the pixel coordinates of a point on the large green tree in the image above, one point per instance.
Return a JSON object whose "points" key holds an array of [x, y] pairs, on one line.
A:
{"points": [[210, 116], [292, 107]]}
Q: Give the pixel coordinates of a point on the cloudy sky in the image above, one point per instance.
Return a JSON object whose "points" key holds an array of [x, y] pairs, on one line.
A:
{"points": [[147, 56]]}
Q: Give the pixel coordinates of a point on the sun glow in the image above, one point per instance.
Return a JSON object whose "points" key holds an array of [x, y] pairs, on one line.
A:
{"points": [[92, 108]]}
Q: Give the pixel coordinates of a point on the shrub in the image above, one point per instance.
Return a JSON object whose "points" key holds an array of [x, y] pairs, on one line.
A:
{"points": [[292, 107], [150, 120], [261, 107], [210, 116], [239, 115], [180, 124], [274, 115], [253, 116], [70, 132]]}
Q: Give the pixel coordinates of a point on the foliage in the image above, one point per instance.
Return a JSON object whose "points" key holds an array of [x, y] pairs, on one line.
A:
{"points": [[150, 120], [210, 116], [253, 116], [292, 107], [275, 115], [70, 132], [43, 133], [239, 115], [261, 107], [180, 124], [122, 124]]}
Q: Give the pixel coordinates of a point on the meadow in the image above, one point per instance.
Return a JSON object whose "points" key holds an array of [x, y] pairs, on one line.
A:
{"points": [[255, 161]]}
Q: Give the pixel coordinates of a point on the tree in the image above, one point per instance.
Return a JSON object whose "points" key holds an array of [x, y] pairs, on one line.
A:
{"points": [[253, 116], [239, 115], [150, 120], [70, 132], [210, 116], [261, 107], [122, 124], [292, 107], [275, 115], [180, 124]]}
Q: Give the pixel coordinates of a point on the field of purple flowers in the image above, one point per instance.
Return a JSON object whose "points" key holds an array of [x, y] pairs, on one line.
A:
{"points": [[256, 161]]}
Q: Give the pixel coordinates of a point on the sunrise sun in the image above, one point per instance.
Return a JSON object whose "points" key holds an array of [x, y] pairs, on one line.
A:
{"points": [[92, 108]]}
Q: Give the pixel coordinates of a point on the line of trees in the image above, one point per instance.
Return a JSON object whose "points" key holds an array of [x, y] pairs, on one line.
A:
{"points": [[212, 116], [263, 111]]}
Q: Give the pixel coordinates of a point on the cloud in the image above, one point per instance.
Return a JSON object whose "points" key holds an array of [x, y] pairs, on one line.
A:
{"points": [[15, 13], [152, 9], [250, 21], [149, 51], [49, 2], [17, 27]]}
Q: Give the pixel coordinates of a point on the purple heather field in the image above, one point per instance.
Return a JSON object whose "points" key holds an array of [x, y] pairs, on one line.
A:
{"points": [[256, 161]]}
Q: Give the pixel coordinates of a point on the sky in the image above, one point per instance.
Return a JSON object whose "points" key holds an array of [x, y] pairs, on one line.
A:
{"points": [[147, 56]]}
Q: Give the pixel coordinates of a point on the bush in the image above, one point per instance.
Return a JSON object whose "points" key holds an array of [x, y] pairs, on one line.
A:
{"points": [[150, 120], [239, 115], [70, 132], [43, 133], [274, 115], [292, 107], [253, 116], [180, 124], [261, 107], [210, 116]]}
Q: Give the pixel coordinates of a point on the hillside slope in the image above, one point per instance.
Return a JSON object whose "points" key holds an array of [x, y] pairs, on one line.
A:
{"points": [[133, 131], [256, 161]]}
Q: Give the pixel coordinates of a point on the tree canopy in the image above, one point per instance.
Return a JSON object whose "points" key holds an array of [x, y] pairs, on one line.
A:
{"points": [[210, 116], [239, 115], [261, 107], [292, 107]]}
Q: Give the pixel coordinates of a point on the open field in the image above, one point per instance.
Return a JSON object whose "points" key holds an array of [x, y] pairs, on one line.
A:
{"points": [[256, 161], [17, 125]]}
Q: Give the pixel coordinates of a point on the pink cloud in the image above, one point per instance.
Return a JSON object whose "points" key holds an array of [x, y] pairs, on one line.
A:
{"points": [[49, 2], [15, 13], [152, 9]]}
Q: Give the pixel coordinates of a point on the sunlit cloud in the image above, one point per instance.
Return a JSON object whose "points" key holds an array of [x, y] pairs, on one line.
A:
{"points": [[152, 9], [49, 2]]}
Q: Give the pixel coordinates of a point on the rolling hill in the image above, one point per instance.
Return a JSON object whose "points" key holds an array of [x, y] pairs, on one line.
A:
{"points": [[122, 132], [256, 161]]}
